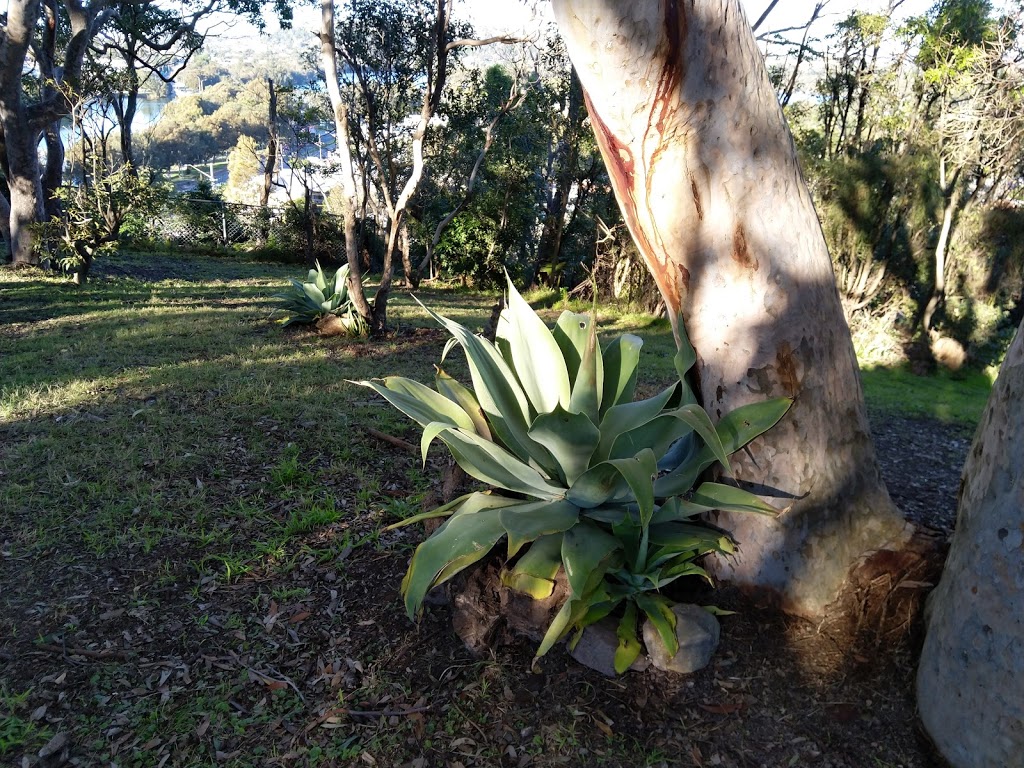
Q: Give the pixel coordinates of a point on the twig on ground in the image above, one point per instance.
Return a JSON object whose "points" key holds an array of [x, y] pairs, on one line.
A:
{"points": [[109, 653], [396, 441]]}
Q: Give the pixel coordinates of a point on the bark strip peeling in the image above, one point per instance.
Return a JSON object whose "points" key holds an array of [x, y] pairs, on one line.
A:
{"points": [[706, 175]]}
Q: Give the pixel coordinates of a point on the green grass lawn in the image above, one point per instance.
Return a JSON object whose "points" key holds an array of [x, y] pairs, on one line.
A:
{"points": [[190, 528], [957, 398]]}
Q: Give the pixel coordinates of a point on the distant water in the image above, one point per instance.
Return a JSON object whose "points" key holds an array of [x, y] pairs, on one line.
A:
{"points": [[147, 112]]}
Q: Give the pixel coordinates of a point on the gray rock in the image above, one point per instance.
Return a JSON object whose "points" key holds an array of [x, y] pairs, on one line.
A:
{"points": [[596, 649], [697, 631]]}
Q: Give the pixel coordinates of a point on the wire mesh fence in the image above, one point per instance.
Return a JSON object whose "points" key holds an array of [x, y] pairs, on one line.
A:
{"points": [[198, 224]]}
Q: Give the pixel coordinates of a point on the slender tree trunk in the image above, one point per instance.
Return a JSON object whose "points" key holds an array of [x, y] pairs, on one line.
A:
{"points": [[329, 61], [972, 663], [706, 174], [949, 202], [22, 161], [5, 226], [271, 164], [125, 106], [564, 166], [53, 174]]}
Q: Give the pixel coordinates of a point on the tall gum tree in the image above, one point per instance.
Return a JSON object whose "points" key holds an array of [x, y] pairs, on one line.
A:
{"points": [[706, 175], [972, 663], [969, 678]]}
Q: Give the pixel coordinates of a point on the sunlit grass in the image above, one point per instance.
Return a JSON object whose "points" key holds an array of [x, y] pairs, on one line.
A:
{"points": [[951, 397]]}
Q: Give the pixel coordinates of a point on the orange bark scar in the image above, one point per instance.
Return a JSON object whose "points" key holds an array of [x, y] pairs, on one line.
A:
{"points": [[786, 365], [741, 251]]}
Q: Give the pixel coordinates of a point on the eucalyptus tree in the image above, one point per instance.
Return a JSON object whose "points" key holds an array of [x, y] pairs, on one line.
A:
{"points": [[43, 44], [972, 662], [397, 59], [970, 108], [144, 42], [706, 175], [483, 103]]}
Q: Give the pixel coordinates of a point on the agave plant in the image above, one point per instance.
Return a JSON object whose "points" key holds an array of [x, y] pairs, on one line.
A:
{"points": [[321, 295], [572, 462]]}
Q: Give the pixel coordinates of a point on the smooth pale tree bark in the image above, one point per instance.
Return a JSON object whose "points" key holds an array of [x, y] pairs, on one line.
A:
{"points": [[970, 681], [329, 61], [706, 174]]}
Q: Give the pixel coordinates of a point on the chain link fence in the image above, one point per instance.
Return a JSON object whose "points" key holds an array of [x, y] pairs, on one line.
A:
{"points": [[205, 225]]}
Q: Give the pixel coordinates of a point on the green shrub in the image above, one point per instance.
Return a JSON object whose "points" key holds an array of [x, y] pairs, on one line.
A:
{"points": [[583, 478]]}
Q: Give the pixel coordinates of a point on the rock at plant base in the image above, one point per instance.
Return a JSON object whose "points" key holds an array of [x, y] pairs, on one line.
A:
{"points": [[331, 325], [697, 631], [487, 614], [596, 649]]}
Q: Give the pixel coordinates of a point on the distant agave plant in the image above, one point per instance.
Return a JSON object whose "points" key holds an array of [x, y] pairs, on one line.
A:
{"points": [[573, 464], [319, 296]]}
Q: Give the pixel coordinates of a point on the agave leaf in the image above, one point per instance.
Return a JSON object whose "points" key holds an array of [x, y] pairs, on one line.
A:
{"points": [[609, 515], [659, 611], [529, 521], [598, 485], [574, 613], [315, 294], [534, 573], [681, 451], [686, 356], [735, 429], [627, 416], [697, 418], [341, 283], [621, 360], [658, 435], [571, 332], [683, 477], [589, 383], [638, 473], [628, 648], [466, 504], [535, 355], [493, 465], [743, 424], [686, 569], [321, 279], [676, 509], [421, 404], [497, 390], [728, 498], [571, 438], [631, 536], [558, 627], [465, 399], [685, 536], [600, 603], [460, 542], [587, 554]]}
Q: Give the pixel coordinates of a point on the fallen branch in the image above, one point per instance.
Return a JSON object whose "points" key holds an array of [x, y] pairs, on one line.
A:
{"points": [[335, 712], [396, 441], [110, 653]]}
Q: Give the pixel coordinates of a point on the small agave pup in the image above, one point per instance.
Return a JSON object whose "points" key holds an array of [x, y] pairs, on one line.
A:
{"points": [[582, 477]]}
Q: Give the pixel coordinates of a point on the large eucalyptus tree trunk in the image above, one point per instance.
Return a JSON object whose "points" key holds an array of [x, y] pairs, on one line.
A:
{"points": [[970, 682], [706, 174]]}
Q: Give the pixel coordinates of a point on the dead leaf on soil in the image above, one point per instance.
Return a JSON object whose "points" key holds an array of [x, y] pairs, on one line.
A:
{"points": [[723, 708]]}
